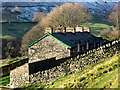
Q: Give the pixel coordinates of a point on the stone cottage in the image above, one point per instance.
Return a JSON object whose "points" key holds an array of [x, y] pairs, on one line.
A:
{"points": [[55, 47], [62, 42]]}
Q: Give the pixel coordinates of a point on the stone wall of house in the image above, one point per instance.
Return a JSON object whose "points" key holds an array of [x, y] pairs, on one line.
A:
{"points": [[47, 48], [78, 63], [19, 76]]}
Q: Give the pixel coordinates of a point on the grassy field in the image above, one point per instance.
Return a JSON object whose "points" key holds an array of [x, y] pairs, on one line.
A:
{"points": [[101, 75], [16, 29], [97, 25], [4, 62], [4, 80]]}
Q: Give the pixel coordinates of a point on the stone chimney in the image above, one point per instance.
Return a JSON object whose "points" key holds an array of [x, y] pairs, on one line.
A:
{"points": [[60, 29], [86, 29], [70, 29], [49, 30], [79, 29]]}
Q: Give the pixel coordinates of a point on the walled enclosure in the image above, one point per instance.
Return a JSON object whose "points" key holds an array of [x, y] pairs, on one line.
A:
{"points": [[19, 76], [78, 63], [47, 48]]}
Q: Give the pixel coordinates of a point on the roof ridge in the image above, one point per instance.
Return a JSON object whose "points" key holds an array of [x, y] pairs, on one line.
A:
{"points": [[52, 37]]}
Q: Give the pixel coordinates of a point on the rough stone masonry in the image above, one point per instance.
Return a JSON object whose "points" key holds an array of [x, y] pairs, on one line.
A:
{"points": [[20, 75], [47, 48]]}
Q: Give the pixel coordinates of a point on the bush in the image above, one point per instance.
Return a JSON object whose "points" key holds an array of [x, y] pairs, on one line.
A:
{"points": [[10, 48]]}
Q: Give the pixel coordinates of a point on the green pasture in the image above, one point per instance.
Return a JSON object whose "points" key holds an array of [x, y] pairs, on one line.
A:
{"points": [[16, 30], [101, 75]]}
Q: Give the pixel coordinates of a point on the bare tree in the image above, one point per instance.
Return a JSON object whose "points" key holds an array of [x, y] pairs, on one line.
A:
{"points": [[110, 33], [38, 16], [68, 14], [114, 16], [35, 33]]}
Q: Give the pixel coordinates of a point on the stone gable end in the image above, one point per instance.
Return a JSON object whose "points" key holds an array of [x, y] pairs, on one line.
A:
{"points": [[19, 76], [47, 48]]}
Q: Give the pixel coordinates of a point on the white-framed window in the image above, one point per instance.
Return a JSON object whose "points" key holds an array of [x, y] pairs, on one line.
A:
{"points": [[87, 45], [78, 48]]}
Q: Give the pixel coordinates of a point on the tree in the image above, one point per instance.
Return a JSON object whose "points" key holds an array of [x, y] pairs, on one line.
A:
{"points": [[35, 33], [10, 48], [114, 16], [68, 14], [38, 16], [110, 33]]}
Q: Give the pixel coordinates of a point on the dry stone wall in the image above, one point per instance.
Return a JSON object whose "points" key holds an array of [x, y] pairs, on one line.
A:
{"points": [[19, 76], [78, 63], [47, 48]]}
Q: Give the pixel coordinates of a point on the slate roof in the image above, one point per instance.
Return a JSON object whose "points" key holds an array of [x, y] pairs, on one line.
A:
{"points": [[71, 39]]}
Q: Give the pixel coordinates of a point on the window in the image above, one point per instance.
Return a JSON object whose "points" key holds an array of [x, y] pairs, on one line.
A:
{"points": [[78, 50], [100, 43], [87, 45]]}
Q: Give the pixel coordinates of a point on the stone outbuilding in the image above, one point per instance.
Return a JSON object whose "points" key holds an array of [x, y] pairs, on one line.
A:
{"points": [[55, 47], [62, 43]]}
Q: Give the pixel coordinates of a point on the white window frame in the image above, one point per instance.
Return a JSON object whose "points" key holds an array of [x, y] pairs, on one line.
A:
{"points": [[78, 48], [87, 45]]}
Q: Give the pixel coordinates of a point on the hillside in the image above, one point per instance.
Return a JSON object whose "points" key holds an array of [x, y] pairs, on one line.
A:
{"points": [[101, 75], [27, 9], [15, 30]]}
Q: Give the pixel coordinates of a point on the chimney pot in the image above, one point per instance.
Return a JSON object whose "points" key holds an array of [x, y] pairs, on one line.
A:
{"points": [[79, 29], [49, 30], [70, 29], [86, 29]]}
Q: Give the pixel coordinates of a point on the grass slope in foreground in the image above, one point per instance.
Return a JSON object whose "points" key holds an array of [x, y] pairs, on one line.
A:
{"points": [[101, 75]]}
